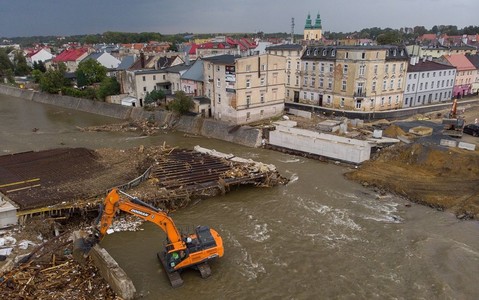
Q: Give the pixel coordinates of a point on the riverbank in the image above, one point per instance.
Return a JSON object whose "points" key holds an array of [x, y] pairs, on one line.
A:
{"points": [[196, 125]]}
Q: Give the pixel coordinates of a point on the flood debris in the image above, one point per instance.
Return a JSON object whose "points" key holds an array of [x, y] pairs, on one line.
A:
{"points": [[146, 127]]}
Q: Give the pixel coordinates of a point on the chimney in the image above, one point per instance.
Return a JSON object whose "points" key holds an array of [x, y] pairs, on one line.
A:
{"points": [[142, 60], [412, 61]]}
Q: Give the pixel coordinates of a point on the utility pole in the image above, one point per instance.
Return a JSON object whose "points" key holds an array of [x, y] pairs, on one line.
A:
{"points": [[292, 30]]}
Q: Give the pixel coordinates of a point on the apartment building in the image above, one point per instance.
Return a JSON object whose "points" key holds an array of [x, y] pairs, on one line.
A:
{"points": [[474, 59], [428, 82], [292, 53], [245, 89], [465, 76], [437, 50], [358, 78]]}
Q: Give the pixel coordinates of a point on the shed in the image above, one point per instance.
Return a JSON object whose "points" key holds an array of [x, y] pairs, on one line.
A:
{"points": [[8, 212]]}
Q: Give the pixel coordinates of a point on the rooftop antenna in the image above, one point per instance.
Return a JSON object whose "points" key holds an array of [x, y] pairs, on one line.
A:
{"points": [[292, 30]]}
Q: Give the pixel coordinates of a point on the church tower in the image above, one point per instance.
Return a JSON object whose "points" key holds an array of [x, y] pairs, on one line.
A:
{"points": [[313, 32]]}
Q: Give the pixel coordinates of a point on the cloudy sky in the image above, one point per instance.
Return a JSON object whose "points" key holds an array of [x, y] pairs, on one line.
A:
{"points": [[69, 17]]}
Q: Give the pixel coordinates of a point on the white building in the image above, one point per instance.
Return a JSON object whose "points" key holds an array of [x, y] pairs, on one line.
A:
{"points": [[105, 59], [428, 82]]}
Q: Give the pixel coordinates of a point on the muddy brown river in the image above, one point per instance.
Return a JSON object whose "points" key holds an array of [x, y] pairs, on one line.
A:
{"points": [[318, 237]]}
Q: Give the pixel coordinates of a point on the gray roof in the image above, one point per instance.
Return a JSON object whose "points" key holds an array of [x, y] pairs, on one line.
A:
{"points": [[225, 59], [328, 52], [195, 72], [126, 62], [94, 56], [202, 100], [177, 68], [285, 47]]}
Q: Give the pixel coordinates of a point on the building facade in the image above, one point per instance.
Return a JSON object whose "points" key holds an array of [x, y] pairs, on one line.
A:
{"points": [[313, 32], [292, 53], [436, 51], [465, 76], [245, 89], [474, 59], [428, 82], [360, 78]]}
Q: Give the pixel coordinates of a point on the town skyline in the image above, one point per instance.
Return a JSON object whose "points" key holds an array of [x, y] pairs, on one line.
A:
{"points": [[54, 17]]}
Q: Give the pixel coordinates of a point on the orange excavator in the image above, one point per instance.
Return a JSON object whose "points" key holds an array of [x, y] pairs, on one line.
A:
{"points": [[182, 251]]}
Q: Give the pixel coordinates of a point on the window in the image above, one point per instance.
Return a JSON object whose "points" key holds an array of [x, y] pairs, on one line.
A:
{"points": [[372, 102], [341, 103], [413, 87], [314, 67], [218, 82], [425, 86], [345, 69], [321, 82], [298, 66], [154, 77], [311, 96], [297, 80], [386, 68], [347, 55], [322, 67], [333, 53], [248, 83], [405, 101], [420, 86], [330, 68], [397, 99], [343, 86], [330, 83], [375, 69], [382, 101], [433, 74], [410, 76], [401, 68], [144, 78], [373, 88], [219, 98], [324, 52], [248, 115], [399, 83], [407, 88], [432, 84], [306, 67], [422, 75], [389, 100], [313, 82], [288, 78], [248, 100], [262, 80], [261, 97], [328, 99], [358, 104], [384, 85], [427, 75], [415, 76], [361, 70], [363, 55], [263, 67], [315, 51], [308, 52], [442, 85], [218, 68], [289, 64], [144, 89], [261, 112], [394, 68]]}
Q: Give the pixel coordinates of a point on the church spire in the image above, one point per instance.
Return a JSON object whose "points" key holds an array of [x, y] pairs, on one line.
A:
{"points": [[308, 22], [317, 23]]}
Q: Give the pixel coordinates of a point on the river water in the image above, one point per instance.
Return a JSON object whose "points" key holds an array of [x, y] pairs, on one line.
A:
{"points": [[319, 237]]}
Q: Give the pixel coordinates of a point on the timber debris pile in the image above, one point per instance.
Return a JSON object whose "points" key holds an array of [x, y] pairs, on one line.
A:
{"points": [[147, 127], [50, 272]]}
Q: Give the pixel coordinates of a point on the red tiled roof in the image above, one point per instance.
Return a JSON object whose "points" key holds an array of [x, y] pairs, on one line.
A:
{"points": [[70, 55], [460, 61], [428, 36], [193, 48]]}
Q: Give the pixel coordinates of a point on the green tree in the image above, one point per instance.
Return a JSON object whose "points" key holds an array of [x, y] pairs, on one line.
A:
{"points": [[91, 72], [6, 66], [39, 66], [389, 37], [109, 86], [154, 96], [37, 75], [53, 81], [20, 63], [182, 103]]}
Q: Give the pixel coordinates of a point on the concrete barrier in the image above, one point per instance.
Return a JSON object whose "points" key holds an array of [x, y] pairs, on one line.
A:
{"points": [[109, 269], [243, 135]]}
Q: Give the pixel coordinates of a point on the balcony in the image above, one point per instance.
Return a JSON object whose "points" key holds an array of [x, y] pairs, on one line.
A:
{"points": [[359, 94]]}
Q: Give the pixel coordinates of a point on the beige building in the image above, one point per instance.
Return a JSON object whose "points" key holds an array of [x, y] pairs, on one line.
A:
{"points": [[437, 51], [292, 53], [313, 32], [245, 89], [357, 78]]}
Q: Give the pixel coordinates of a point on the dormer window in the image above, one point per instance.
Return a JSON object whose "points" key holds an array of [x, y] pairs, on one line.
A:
{"points": [[324, 52], [308, 52], [333, 53], [315, 52], [394, 52]]}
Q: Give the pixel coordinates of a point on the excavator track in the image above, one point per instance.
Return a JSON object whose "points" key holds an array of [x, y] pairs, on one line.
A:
{"points": [[174, 277], [204, 269]]}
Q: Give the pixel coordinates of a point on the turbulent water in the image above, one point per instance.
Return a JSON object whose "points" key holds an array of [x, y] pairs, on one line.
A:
{"points": [[318, 237]]}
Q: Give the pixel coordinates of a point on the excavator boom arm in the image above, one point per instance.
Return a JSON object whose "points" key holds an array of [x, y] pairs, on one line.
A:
{"points": [[113, 203]]}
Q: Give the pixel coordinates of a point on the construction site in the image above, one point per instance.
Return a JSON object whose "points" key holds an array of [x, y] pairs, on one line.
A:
{"points": [[54, 192]]}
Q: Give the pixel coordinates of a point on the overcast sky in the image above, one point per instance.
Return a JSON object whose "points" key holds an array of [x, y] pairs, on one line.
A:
{"points": [[70, 17]]}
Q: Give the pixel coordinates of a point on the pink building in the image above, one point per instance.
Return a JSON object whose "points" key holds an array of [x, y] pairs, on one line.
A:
{"points": [[465, 74]]}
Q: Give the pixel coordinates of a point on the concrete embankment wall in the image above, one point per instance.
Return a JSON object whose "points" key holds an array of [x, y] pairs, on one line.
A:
{"points": [[244, 135], [327, 145]]}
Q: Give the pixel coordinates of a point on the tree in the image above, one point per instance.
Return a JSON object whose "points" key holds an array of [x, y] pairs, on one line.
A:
{"points": [[90, 71], [37, 75], [40, 66], [6, 66], [182, 103], [387, 38], [154, 96], [20, 63], [109, 86], [52, 81]]}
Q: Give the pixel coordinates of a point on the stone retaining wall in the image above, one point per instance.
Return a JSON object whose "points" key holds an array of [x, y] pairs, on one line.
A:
{"points": [[243, 135]]}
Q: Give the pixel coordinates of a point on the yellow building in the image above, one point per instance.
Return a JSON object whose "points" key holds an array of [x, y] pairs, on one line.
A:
{"points": [[245, 89], [356, 78], [313, 32]]}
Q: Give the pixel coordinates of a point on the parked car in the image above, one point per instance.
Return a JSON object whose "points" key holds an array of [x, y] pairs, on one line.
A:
{"points": [[472, 129]]}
